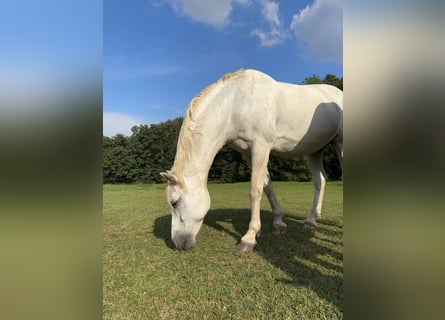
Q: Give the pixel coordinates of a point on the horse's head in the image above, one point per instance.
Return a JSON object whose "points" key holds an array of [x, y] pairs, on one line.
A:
{"points": [[188, 205]]}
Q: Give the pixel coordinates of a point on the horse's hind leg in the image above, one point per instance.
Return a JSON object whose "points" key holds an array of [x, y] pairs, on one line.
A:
{"points": [[279, 227], [315, 164]]}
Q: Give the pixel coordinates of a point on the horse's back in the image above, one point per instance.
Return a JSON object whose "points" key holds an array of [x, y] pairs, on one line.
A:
{"points": [[308, 117], [294, 119]]}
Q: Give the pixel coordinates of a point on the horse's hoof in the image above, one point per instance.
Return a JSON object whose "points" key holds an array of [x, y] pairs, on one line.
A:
{"points": [[279, 229], [310, 224], [245, 247]]}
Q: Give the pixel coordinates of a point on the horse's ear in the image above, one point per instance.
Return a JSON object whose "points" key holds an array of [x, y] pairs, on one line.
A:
{"points": [[169, 177]]}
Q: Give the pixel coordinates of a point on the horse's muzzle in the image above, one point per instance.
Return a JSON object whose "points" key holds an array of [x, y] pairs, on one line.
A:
{"points": [[184, 242]]}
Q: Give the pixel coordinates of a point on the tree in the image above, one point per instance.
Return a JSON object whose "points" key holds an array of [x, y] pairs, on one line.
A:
{"points": [[229, 166], [328, 79], [118, 162], [333, 81], [154, 148], [312, 80]]}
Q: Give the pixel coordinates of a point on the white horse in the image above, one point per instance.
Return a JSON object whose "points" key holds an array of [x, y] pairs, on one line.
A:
{"points": [[257, 116]]}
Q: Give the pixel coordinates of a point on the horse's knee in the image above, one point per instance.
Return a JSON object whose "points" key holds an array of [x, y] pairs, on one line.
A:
{"points": [[255, 193]]}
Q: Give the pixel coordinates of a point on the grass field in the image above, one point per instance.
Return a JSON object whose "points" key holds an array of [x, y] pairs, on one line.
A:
{"points": [[296, 276]]}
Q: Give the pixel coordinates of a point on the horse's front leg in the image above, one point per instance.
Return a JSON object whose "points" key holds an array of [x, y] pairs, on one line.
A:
{"points": [[259, 179], [279, 227]]}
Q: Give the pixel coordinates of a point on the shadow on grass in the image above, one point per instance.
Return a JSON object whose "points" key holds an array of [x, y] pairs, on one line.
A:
{"points": [[311, 259], [161, 230]]}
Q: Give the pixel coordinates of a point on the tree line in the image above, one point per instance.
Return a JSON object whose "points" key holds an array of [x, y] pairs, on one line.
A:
{"points": [[151, 149]]}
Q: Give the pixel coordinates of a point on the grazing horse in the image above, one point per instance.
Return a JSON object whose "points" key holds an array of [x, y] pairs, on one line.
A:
{"points": [[257, 116]]}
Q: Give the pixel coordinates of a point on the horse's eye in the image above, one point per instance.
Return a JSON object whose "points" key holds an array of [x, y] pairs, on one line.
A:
{"points": [[174, 203]]}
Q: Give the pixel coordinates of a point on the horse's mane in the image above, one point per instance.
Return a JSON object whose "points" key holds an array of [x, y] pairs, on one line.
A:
{"points": [[188, 126], [194, 103]]}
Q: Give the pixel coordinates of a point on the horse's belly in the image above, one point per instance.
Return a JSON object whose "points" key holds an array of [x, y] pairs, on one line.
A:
{"points": [[290, 150], [305, 144]]}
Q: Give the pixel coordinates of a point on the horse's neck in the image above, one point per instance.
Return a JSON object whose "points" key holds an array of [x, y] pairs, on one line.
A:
{"points": [[197, 150]]}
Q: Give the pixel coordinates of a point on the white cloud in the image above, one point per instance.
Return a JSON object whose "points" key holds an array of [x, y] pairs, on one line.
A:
{"points": [[270, 12], [276, 34], [319, 28], [114, 123], [270, 38], [135, 67], [213, 12]]}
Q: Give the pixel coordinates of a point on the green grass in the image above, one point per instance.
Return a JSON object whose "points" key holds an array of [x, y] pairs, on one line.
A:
{"points": [[296, 276]]}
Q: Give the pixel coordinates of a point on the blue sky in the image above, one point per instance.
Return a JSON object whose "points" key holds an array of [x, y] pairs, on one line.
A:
{"points": [[158, 54]]}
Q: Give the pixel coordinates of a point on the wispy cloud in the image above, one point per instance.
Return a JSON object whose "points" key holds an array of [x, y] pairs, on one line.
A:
{"points": [[270, 12], [118, 70], [276, 33], [114, 123], [213, 12], [173, 111], [319, 29]]}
